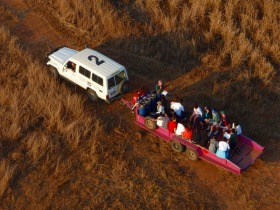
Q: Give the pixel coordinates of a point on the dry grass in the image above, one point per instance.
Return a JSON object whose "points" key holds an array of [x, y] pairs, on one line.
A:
{"points": [[232, 36], [53, 148], [41, 129], [55, 154]]}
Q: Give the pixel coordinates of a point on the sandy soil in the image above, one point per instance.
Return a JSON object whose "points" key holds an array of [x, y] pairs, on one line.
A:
{"points": [[259, 184]]}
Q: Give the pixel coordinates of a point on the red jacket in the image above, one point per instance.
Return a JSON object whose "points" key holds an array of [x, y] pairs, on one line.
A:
{"points": [[171, 126]]}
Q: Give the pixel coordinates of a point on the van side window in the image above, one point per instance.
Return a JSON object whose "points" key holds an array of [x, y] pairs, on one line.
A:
{"points": [[84, 72], [97, 79], [111, 82]]}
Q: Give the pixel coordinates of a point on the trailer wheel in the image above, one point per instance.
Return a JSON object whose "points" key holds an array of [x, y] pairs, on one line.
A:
{"points": [[92, 95], [123, 87], [177, 147], [192, 154], [150, 123]]}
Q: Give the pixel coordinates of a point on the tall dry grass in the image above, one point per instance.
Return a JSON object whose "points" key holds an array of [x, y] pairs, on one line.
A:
{"points": [[41, 129], [235, 37], [53, 159]]}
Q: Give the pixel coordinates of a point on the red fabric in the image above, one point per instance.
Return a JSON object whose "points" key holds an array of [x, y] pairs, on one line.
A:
{"points": [[187, 134], [171, 126], [137, 95]]}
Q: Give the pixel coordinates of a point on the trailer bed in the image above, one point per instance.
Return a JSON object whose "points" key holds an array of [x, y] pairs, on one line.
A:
{"points": [[236, 163]]}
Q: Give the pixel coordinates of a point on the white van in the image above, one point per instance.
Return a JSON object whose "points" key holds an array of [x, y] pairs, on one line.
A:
{"points": [[99, 75]]}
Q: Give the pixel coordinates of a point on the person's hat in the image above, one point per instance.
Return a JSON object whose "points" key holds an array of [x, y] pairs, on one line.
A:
{"points": [[214, 111], [222, 112], [159, 102]]}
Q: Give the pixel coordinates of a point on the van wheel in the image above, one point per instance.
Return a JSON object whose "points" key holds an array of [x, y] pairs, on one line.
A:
{"points": [[92, 95], [150, 123], [54, 73], [123, 86], [192, 154], [177, 147]]}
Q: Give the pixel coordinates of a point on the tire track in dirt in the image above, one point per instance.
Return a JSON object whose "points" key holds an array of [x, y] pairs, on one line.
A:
{"points": [[32, 28]]}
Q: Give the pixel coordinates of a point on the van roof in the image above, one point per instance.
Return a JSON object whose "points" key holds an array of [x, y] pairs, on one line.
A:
{"points": [[101, 64]]}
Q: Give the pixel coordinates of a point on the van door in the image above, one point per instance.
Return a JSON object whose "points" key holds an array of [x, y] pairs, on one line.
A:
{"points": [[69, 71], [112, 87], [113, 83], [83, 79]]}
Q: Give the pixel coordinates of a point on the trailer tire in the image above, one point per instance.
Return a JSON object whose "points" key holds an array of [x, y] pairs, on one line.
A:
{"points": [[192, 154], [177, 147], [150, 123], [123, 87], [92, 95]]}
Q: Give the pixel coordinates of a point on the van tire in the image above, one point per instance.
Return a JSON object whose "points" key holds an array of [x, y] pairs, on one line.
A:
{"points": [[192, 154], [123, 87], [177, 147], [92, 95], [150, 123], [54, 73]]}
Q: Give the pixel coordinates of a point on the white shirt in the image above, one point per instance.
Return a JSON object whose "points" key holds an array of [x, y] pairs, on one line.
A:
{"points": [[160, 109], [177, 107], [162, 121], [180, 129], [223, 146], [198, 111], [237, 128]]}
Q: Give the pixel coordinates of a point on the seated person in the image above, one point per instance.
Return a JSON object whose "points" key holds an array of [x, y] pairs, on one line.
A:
{"points": [[162, 121], [188, 132], [204, 139], [213, 144], [214, 129], [237, 127], [196, 136], [160, 108], [159, 89], [180, 129], [172, 124], [197, 114], [223, 149], [232, 139], [208, 114], [224, 121], [177, 107], [215, 117]]}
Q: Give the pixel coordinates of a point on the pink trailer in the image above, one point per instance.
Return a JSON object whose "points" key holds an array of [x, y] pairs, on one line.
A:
{"points": [[237, 163]]}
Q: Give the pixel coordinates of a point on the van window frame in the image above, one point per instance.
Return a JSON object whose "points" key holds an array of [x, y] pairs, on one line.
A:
{"points": [[82, 71]]}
